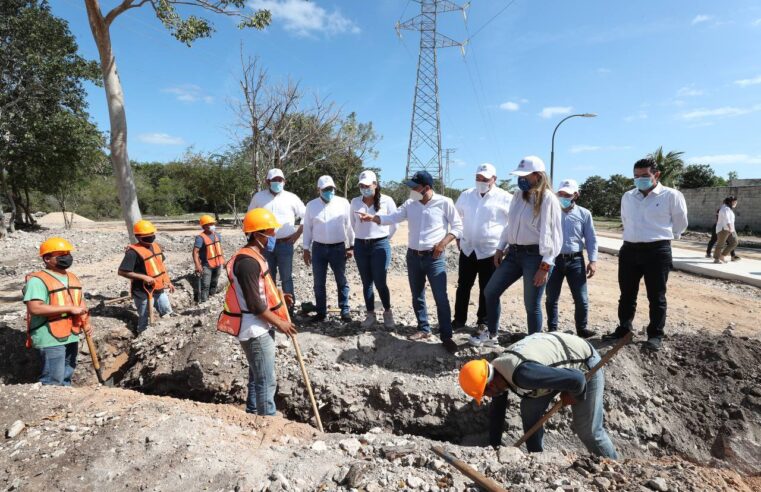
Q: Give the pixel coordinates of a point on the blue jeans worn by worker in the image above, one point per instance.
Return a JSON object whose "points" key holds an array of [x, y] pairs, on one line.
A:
{"points": [[335, 256], [435, 270], [260, 353], [58, 364], [574, 271], [373, 258], [160, 304], [518, 263], [588, 417], [280, 262], [207, 282]]}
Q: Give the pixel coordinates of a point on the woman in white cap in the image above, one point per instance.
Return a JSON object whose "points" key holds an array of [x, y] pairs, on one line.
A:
{"points": [[372, 247], [528, 246], [328, 241]]}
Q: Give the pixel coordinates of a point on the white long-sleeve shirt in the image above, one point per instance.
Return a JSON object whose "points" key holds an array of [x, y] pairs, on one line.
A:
{"points": [[661, 215], [726, 219], [484, 219], [544, 229], [328, 223], [429, 223], [285, 206], [371, 230]]}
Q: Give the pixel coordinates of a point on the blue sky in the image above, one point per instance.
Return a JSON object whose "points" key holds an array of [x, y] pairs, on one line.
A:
{"points": [[685, 75]]}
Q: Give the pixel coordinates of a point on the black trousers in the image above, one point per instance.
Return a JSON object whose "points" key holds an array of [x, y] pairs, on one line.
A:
{"points": [[653, 262], [468, 269]]}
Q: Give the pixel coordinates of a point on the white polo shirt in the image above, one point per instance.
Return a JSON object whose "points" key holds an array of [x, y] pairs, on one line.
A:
{"points": [[725, 219], [484, 218], [328, 223], [371, 230], [661, 215], [544, 229], [285, 206], [429, 223]]}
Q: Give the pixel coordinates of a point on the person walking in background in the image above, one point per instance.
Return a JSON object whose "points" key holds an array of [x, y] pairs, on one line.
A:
{"points": [[578, 233], [208, 258], [715, 237], [483, 210], [372, 247], [287, 209], [652, 215], [725, 231], [328, 241], [528, 246]]}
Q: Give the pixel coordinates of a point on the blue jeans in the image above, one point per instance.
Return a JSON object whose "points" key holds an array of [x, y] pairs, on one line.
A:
{"points": [[260, 353], [516, 264], [588, 417], [58, 364], [435, 270], [281, 261], [335, 256], [574, 271], [160, 304], [373, 260]]}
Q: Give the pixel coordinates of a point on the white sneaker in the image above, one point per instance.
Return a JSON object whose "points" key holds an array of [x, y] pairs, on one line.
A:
{"points": [[388, 319], [369, 320], [484, 339]]}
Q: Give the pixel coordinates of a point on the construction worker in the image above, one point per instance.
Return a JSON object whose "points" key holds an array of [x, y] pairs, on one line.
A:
{"points": [[55, 312], [143, 265], [253, 307], [535, 369], [208, 257]]}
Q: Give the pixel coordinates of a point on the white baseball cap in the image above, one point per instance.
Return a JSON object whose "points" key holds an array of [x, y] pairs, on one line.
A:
{"points": [[487, 170], [275, 173], [367, 178], [529, 164], [325, 182], [569, 186]]}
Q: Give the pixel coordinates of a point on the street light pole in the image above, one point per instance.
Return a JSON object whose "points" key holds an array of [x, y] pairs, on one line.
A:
{"points": [[552, 152]]}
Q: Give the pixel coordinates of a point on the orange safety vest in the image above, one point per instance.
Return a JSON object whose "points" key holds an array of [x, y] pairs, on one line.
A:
{"points": [[154, 265], [230, 319], [213, 250], [60, 326]]}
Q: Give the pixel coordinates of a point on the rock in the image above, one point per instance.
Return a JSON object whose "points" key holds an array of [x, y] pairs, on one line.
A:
{"points": [[657, 484], [351, 446], [602, 482], [15, 429], [510, 454], [357, 476], [414, 482], [319, 446]]}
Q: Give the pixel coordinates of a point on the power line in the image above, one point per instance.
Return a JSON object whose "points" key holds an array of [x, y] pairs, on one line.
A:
{"points": [[491, 20]]}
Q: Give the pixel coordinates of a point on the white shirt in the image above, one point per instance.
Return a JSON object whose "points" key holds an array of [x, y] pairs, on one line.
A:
{"points": [[371, 230], [544, 229], [429, 223], [285, 206], [726, 219], [661, 215], [484, 218], [328, 223]]}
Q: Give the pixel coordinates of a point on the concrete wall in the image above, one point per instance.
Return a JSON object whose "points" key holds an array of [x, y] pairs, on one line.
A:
{"points": [[703, 202]]}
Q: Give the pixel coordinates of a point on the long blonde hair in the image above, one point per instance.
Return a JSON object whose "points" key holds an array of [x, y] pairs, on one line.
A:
{"points": [[542, 185]]}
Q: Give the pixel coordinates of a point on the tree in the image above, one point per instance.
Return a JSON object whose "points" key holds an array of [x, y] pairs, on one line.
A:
{"points": [[591, 193], [671, 166], [731, 176], [186, 30], [699, 176], [507, 185]]}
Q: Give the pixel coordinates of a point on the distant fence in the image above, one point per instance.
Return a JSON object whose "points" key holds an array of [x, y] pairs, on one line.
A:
{"points": [[702, 204]]}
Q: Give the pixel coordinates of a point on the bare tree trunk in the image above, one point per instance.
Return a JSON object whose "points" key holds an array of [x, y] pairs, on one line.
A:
{"points": [[125, 181], [12, 217]]}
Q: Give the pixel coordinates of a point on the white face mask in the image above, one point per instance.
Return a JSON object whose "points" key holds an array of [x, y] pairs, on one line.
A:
{"points": [[482, 187], [213, 228], [416, 195]]}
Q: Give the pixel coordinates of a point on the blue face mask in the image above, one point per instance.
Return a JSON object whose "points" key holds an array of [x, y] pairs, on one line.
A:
{"points": [[328, 195], [276, 186], [565, 202], [367, 192], [271, 242], [524, 184], [643, 184]]}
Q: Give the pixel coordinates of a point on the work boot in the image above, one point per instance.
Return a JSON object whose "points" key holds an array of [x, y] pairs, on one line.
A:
{"points": [[419, 335], [653, 344], [450, 346], [388, 319], [369, 320], [484, 338], [617, 334], [586, 333], [346, 318]]}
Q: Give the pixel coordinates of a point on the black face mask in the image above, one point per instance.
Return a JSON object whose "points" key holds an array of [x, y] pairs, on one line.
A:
{"points": [[63, 262], [147, 239]]}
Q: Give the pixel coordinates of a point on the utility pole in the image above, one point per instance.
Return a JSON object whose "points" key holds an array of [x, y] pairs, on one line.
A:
{"points": [[445, 180], [424, 150]]}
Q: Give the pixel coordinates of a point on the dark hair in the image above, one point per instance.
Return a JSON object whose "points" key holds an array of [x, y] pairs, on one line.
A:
{"points": [[377, 198], [728, 200], [647, 162]]}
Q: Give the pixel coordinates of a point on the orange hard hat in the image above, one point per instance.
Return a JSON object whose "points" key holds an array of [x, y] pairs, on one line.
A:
{"points": [[143, 227], [259, 219], [206, 220], [474, 376], [55, 245]]}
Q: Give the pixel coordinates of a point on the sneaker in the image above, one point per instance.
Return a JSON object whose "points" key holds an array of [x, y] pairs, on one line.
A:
{"points": [[317, 318], [458, 325], [709, 255], [736, 258], [586, 333], [346, 318], [450, 346], [419, 335], [484, 338], [653, 344], [617, 334], [388, 319], [369, 320], [717, 260]]}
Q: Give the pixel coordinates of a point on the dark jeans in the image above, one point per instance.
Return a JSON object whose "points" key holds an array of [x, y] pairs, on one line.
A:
{"points": [[58, 364], [207, 282], [574, 271], [420, 268], [712, 242], [281, 261], [335, 256], [653, 262], [468, 269], [260, 353], [373, 259]]}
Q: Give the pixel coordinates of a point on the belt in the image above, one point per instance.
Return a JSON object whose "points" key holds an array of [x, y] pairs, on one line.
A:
{"points": [[371, 240], [331, 245], [528, 248], [571, 256], [654, 244], [420, 253], [282, 240]]}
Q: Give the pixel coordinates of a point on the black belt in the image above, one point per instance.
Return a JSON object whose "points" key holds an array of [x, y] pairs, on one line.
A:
{"points": [[528, 248], [420, 253], [370, 241], [653, 244], [571, 256], [283, 240], [331, 245]]}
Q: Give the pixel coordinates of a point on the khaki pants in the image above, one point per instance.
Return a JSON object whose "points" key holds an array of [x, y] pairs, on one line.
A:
{"points": [[726, 243]]}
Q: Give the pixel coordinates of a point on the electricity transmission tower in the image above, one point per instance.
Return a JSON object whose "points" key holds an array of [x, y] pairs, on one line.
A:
{"points": [[447, 176], [424, 151]]}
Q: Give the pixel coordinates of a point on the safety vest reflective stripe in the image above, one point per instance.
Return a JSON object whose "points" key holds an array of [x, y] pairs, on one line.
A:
{"points": [[154, 266], [59, 326], [213, 250]]}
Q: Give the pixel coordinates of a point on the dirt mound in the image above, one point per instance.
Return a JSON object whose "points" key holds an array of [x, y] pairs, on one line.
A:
{"points": [[55, 219]]}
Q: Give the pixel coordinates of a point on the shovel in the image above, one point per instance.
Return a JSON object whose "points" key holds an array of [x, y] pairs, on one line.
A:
{"points": [[151, 315], [94, 356]]}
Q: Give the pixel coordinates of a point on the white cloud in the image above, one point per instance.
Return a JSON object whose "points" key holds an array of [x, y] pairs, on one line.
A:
{"points": [[689, 91], [188, 93], [160, 139], [578, 149], [698, 19], [725, 159], [639, 115], [552, 111], [305, 18], [757, 23], [719, 112], [510, 106], [603, 71], [747, 82]]}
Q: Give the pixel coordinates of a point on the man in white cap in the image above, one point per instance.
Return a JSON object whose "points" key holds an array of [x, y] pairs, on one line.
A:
{"points": [[483, 210], [578, 234], [287, 209], [328, 241]]}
